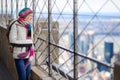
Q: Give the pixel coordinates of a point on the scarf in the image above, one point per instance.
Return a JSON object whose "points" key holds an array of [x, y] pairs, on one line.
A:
{"points": [[27, 26]]}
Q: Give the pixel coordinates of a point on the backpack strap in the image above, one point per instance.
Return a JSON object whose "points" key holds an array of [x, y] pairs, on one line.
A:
{"points": [[9, 28], [11, 25]]}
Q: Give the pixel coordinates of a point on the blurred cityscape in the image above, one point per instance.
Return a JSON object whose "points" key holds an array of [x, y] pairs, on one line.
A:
{"points": [[99, 40]]}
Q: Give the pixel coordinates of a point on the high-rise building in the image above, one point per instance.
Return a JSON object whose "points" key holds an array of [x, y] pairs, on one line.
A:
{"points": [[108, 51]]}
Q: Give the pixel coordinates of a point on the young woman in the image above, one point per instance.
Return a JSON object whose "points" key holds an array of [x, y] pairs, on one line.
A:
{"points": [[21, 36]]}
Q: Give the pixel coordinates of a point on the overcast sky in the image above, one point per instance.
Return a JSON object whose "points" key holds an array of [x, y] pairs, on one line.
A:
{"points": [[83, 5], [95, 5]]}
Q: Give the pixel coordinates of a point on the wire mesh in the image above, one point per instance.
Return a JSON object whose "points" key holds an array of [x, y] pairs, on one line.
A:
{"points": [[87, 21], [95, 42]]}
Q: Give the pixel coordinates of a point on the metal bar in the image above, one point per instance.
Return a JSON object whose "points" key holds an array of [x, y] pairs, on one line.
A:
{"points": [[11, 8], [81, 55], [43, 51], [33, 7], [6, 6], [6, 13], [41, 11], [1, 7], [49, 35], [16, 8], [26, 3], [75, 33], [56, 68], [39, 46]]}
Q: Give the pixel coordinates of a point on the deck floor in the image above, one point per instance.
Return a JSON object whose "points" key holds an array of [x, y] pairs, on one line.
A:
{"points": [[4, 74]]}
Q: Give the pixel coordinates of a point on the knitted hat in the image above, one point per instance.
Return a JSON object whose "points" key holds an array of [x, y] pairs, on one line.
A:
{"points": [[24, 12]]}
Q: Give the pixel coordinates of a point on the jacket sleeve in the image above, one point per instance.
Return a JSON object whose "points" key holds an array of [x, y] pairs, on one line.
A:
{"points": [[18, 43]]}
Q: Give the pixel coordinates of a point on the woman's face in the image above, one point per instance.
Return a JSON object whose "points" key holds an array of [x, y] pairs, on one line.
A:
{"points": [[29, 18]]}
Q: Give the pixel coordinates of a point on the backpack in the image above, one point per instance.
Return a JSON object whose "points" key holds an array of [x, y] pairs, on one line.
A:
{"points": [[7, 34]]}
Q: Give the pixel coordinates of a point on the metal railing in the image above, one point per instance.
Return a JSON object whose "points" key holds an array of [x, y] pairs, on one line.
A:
{"points": [[56, 68]]}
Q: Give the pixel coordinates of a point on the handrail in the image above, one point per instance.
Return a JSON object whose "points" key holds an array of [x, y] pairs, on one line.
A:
{"points": [[81, 55]]}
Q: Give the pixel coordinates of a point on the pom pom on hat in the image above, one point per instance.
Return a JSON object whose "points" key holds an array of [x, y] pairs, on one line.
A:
{"points": [[24, 12]]}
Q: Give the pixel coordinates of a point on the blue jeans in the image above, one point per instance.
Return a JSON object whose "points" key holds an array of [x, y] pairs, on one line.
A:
{"points": [[23, 72]]}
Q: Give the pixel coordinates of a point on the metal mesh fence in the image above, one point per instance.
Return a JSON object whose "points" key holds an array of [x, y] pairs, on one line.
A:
{"points": [[75, 39]]}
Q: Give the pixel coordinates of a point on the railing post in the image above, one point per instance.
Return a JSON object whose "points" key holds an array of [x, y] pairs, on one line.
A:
{"points": [[16, 8], [6, 12], [75, 34], [6, 6], [49, 35], [11, 8], [116, 71], [33, 7], [26, 3], [1, 8], [33, 24]]}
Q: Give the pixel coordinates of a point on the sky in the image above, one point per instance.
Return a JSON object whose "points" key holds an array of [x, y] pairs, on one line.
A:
{"points": [[84, 6], [91, 5]]}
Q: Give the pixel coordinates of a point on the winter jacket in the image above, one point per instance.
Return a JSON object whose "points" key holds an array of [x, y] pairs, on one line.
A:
{"points": [[17, 37]]}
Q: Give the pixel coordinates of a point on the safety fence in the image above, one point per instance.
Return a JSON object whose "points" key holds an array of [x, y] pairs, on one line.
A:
{"points": [[75, 39]]}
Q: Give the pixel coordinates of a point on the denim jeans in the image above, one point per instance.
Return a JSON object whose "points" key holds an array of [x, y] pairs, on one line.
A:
{"points": [[23, 72]]}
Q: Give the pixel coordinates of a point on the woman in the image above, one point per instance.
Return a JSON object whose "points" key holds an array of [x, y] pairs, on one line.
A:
{"points": [[21, 36]]}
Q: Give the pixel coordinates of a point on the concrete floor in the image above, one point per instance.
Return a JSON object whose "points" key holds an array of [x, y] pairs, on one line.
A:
{"points": [[4, 74]]}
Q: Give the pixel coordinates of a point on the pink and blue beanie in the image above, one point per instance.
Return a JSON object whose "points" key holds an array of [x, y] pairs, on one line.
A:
{"points": [[24, 12]]}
